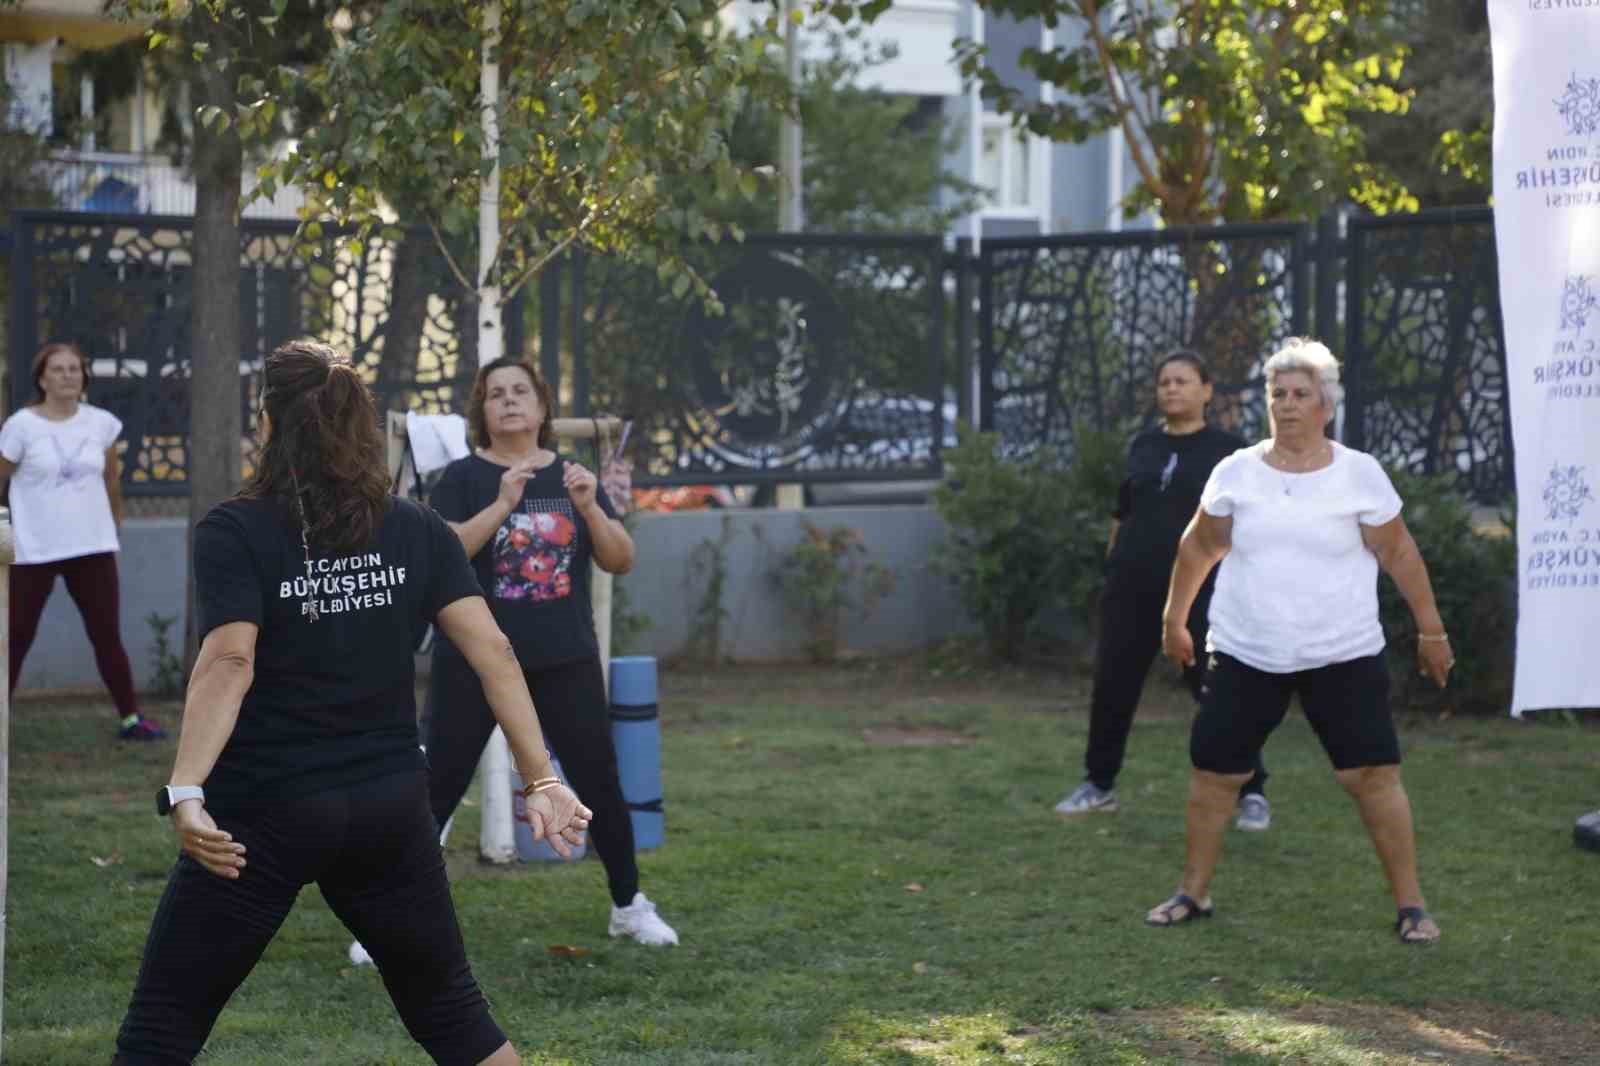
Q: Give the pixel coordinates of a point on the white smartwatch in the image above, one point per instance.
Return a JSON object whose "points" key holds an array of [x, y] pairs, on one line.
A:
{"points": [[172, 795]]}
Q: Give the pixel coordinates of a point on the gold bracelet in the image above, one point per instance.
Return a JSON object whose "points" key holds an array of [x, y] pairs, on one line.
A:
{"points": [[1442, 638], [543, 784]]}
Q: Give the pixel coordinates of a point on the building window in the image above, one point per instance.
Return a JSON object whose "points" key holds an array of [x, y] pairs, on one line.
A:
{"points": [[1005, 165]]}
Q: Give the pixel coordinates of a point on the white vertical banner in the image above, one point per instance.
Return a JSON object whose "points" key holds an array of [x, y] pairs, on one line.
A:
{"points": [[1547, 230]]}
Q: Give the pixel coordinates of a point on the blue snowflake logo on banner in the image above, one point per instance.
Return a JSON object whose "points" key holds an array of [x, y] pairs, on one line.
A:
{"points": [[1566, 493], [1578, 302], [1580, 106]]}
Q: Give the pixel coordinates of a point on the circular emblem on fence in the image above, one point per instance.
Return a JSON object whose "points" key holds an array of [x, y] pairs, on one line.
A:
{"points": [[765, 373]]}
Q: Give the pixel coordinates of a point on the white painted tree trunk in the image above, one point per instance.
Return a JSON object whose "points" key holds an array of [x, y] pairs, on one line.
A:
{"points": [[496, 837]]}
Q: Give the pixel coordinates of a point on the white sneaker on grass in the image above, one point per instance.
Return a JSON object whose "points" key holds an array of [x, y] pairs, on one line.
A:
{"points": [[1255, 813], [1087, 798], [358, 954], [640, 921]]}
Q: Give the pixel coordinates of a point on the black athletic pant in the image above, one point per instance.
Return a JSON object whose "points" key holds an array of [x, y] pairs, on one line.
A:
{"points": [[1130, 640], [373, 850], [571, 700]]}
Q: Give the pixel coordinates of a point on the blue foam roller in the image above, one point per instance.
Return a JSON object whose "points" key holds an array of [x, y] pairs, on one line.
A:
{"points": [[529, 849], [636, 735], [633, 681]]}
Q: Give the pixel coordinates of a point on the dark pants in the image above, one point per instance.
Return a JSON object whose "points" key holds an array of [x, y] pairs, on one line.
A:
{"points": [[92, 584], [372, 849], [571, 700], [1130, 640]]}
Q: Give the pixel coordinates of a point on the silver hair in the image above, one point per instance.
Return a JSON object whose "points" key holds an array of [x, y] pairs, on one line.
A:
{"points": [[1307, 356]]}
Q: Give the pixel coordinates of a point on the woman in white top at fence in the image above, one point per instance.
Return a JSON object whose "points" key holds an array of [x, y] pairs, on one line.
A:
{"points": [[59, 456], [1300, 525]]}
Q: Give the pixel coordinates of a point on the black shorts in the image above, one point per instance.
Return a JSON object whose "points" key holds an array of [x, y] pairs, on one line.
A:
{"points": [[1346, 703]]}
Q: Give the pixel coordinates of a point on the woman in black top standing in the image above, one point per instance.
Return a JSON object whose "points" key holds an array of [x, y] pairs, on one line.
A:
{"points": [[531, 521], [298, 759], [1167, 469]]}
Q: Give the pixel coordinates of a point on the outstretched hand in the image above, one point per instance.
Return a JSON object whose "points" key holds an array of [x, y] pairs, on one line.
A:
{"points": [[203, 842], [557, 815]]}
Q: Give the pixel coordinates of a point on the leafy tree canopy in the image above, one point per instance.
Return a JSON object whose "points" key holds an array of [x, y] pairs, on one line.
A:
{"points": [[1233, 110]]}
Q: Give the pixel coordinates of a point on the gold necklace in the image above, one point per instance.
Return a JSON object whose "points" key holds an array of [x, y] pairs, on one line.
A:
{"points": [[1288, 487]]}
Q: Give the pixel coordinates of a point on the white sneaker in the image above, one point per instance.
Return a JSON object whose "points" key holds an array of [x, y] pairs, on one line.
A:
{"points": [[640, 921], [1088, 797], [1255, 813], [358, 954]]}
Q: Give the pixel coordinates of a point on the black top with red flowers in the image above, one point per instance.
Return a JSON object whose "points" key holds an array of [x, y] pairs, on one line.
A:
{"points": [[535, 568]]}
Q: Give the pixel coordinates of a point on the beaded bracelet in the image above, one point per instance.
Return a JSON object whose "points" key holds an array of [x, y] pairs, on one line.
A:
{"points": [[543, 784]]}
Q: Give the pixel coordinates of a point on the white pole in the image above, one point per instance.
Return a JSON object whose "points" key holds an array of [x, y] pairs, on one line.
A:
{"points": [[791, 156], [7, 556], [496, 842]]}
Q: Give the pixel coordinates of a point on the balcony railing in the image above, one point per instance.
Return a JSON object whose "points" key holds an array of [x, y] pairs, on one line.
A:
{"points": [[123, 183]]}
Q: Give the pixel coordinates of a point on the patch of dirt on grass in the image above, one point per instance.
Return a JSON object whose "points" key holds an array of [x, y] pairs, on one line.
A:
{"points": [[897, 736], [1461, 1034]]}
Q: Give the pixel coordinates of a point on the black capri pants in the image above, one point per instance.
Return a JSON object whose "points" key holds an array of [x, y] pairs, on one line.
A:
{"points": [[1346, 703], [373, 850]]}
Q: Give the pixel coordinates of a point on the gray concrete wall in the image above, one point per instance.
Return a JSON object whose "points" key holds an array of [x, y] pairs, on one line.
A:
{"points": [[151, 566], [664, 587], [667, 587]]}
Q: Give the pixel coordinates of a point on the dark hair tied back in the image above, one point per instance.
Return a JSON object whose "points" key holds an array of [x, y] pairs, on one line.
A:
{"points": [[324, 457]]}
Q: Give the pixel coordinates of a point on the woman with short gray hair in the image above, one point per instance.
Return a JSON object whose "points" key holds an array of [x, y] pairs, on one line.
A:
{"points": [[1300, 525]]}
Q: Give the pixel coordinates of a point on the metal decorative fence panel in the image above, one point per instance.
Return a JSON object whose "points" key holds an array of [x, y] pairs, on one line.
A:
{"points": [[1071, 327], [826, 363], [120, 286], [1426, 388]]}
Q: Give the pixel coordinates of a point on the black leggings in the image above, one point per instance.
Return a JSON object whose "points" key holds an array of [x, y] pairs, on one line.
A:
{"points": [[1130, 640], [373, 851], [571, 699]]}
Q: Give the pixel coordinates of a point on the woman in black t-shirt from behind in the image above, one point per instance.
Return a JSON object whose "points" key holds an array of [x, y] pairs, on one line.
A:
{"points": [[531, 521], [298, 760], [1167, 469]]}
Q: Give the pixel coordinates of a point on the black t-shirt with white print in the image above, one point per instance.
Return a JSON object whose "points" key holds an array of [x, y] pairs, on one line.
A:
{"points": [[535, 568], [332, 701], [1166, 474]]}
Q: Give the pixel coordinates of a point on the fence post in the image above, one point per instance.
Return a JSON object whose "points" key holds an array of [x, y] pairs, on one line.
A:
{"points": [[966, 372], [7, 556], [1355, 355], [550, 324], [1328, 255], [986, 355]]}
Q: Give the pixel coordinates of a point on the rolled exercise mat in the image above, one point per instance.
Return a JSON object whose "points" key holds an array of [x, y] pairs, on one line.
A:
{"points": [[636, 734], [528, 849]]}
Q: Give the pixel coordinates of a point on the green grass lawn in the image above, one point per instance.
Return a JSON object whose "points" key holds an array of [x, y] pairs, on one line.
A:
{"points": [[864, 868]]}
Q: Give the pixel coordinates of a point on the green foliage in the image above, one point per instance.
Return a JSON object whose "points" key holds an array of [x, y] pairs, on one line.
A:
{"points": [[1234, 110], [1474, 576], [825, 576], [874, 162], [603, 107], [1025, 534], [1440, 147], [167, 681]]}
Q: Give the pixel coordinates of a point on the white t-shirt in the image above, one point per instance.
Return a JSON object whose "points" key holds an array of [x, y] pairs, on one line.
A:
{"points": [[1299, 588], [59, 506]]}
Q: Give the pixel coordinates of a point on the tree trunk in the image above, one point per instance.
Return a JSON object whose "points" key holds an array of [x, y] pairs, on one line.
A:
{"points": [[408, 314], [214, 461]]}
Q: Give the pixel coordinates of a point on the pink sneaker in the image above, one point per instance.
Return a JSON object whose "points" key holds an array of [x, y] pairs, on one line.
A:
{"points": [[138, 727]]}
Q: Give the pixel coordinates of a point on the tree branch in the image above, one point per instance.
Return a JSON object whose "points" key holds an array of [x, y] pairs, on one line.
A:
{"points": [[1127, 115], [449, 259]]}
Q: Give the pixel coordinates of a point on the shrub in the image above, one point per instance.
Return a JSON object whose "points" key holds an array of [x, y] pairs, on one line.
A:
{"points": [[1474, 576], [1025, 534], [823, 577]]}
